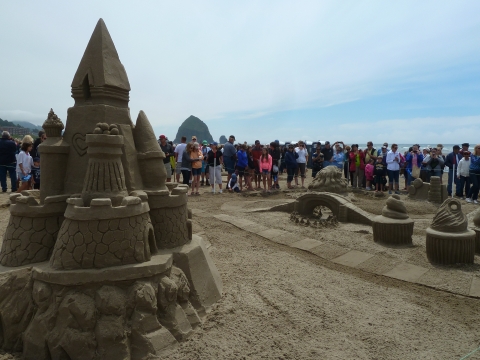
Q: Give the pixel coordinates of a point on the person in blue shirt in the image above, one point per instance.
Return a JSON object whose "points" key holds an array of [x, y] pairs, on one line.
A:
{"points": [[291, 163], [242, 165], [413, 161], [474, 175]]}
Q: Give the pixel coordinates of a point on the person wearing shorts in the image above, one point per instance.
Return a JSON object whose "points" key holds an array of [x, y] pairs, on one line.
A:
{"points": [[302, 160], [197, 159], [265, 166]]}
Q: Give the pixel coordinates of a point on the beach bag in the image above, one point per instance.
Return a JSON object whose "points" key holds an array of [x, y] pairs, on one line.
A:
{"points": [[415, 171]]}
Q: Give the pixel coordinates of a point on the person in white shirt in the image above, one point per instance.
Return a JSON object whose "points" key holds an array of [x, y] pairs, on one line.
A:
{"points": [[179, 149], [302, 160], [463, 174], [393, 168]]}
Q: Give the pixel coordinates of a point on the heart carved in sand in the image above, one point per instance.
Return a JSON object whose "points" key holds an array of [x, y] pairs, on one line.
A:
{"points": [[79, 144]]}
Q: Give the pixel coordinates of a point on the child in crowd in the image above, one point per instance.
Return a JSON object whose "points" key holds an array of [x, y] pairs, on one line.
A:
{"points": [[463, 174], [233, 183], [380, 172], [265, 165], [36, 173], [369, 170], [24, 166]]}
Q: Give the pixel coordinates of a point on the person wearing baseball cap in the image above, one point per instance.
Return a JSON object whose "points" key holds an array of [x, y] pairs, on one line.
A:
{"points": [[168, 151]]}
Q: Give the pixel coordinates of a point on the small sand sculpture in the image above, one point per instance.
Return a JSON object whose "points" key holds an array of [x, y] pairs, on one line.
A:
{"points": [[393, 227], [449, 241], [104, 235], [329, 179], [434, 191]]}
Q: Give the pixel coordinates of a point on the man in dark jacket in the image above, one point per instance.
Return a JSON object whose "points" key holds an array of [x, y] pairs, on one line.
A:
{"points": [[452, 160], [8, 162]]}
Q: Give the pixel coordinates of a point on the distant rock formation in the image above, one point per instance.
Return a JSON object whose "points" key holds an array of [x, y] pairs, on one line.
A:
{"points": [[223, 139], [193, 126]]}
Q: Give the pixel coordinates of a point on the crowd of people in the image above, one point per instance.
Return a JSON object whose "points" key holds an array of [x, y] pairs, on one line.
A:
{"points": [[21, 161], [257, 167]]}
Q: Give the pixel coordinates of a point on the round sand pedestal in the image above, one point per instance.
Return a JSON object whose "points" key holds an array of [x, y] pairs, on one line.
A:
{"points": [[450, 248], [392, 231]]}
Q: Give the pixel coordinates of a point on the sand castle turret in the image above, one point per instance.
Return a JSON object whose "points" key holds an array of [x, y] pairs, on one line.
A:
{"points": [[393, 227], [449, 241], [104, 234]]}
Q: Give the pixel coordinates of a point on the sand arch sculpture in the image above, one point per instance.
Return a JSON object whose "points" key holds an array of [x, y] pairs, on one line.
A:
{"points": [[342, 208]]}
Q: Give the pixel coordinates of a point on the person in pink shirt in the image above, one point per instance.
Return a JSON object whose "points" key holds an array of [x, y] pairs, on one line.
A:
{"points": [[369, 169], [265, 165]]}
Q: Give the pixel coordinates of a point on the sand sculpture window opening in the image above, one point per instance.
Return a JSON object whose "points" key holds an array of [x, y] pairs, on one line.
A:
{"points": [[86, 88], [322, 212]]}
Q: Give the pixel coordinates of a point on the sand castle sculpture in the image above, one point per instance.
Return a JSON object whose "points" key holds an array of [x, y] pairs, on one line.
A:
{"points": [[476, 222], [449, 241], [104, 264], [393, 227], [329, 179], [434, 191]]}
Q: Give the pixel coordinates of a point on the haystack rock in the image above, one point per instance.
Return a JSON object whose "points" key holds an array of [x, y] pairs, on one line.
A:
{"points": [[87, 271], [193, 126]]}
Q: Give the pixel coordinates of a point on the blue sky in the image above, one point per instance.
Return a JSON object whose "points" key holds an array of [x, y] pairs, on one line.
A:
{"points": [[400, 72]]}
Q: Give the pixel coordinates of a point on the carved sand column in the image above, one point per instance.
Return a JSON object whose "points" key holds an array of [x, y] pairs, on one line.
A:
{"points": [[105, 177], [54, 152], [393, 227], [435, 191], [449, 241]]}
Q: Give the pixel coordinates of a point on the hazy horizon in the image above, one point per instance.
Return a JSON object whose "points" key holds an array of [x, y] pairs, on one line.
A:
{"points": [[353, 70]]}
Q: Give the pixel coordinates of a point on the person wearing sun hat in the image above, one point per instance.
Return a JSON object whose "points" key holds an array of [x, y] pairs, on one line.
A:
{"points": [[205, 167]]}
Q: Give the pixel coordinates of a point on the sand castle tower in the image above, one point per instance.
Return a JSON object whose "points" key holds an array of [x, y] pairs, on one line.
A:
{"points": [[114, 271], [449, 241], [393, 227]]}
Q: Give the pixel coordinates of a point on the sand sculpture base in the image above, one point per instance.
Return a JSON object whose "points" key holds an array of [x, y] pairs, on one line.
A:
{"points": [[477, 241], [392, 231], [450, 248], [133, 311]]}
